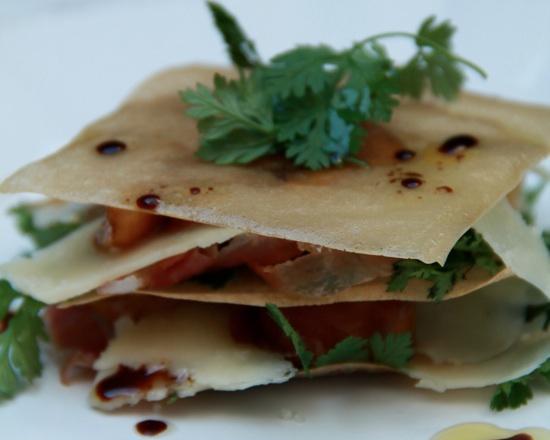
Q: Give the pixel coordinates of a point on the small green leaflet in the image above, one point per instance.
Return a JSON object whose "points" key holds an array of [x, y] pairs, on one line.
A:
{"points": [[351, 349], [241, 49], [308, 103], [518, 392], [470, 251], [19, 350], [41, 237], [394, 350], [305, 356]]}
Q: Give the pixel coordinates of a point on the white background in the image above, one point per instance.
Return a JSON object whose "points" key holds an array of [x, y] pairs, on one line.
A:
{"points": [[64, 63]]}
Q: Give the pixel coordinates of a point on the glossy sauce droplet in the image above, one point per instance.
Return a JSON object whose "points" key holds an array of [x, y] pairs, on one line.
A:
{"points": [[150, 428], [127, 382], [195, 190], [444, 189], [405, 155], [411, 182], [520, 436], [148, 201], [458, 143], [110, 148]]}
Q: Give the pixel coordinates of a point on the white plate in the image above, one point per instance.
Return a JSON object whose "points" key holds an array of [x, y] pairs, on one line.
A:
{"points": [[65, 63]]}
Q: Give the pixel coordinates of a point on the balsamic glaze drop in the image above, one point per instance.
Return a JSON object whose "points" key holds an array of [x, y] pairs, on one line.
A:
{"points": [[458, 143], [127, 381], [405, 155], [148, 201], [150, 428], [195, 190], [110, 148], [411, 182]]}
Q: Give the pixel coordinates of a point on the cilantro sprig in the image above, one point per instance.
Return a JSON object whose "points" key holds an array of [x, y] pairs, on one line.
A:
{"points": [[309, 103], [470, 251], [518, 392], [394, 350], [19, 350]]}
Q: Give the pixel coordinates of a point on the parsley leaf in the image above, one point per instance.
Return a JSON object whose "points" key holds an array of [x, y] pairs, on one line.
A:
{"points": [[241, 49], [470, 250], [305, 356], [394, 349], [308, 103], [19, 350], [351, 349], [512, 394], [44, 236], [518, 392]]}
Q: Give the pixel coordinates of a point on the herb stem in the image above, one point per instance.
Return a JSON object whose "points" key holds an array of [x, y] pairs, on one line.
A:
{"points": [[429, 42]]}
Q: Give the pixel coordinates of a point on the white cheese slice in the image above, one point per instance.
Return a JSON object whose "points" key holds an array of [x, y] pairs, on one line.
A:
{"points": [[194, 344], [522, 358], [74, 266], [520, 246], [473, 328], [480, 340]]}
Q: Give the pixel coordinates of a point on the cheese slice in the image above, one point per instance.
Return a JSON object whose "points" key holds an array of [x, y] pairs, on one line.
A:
{"points": [[194, 344], [520, 246], [480, 340], [74, 266]]}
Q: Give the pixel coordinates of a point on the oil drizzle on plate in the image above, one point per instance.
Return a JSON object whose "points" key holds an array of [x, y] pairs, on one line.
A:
{"points": [[486, 431]]}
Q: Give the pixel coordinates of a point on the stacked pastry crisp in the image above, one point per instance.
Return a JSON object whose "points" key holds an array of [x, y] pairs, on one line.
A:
{"points": [[161, 291]]}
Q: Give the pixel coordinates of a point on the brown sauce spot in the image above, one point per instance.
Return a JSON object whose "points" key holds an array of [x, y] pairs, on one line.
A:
{"points": [[195, 190], [405, 155], [110, 148], [458, 144], [210, 188], [445, 188], [411, 182], [148, 201], [150, 427], [129, 381], [521, 436]]}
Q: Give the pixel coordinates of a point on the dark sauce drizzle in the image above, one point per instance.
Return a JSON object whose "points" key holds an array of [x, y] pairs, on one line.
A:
{"points": [[110, 148], [411, 182], [150, 427], [457, 144], [148, 201], [405, 155], [128, 381], [195, 190]]}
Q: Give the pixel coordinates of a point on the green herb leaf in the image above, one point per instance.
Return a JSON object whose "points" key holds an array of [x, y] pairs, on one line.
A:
{"points": [[305, 356], [19, 350], [518, 392], [394, 349], [241, 49], [433, 63], [309, 103], [470, 251], [41, 237], [351, 349], [511, 395]]}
